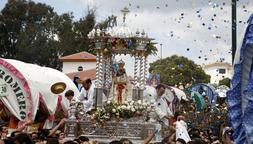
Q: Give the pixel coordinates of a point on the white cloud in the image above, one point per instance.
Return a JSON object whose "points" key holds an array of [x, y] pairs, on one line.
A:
{"points": [[160, 17], [211, 45]]}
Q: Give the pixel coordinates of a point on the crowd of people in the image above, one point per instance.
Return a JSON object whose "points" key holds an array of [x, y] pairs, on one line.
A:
{"points": [[178, 129], [57, 136]]}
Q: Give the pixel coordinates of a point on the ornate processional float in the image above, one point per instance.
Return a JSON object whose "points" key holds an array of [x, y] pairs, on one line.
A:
{"points": [[118, 117], [109, 74]]}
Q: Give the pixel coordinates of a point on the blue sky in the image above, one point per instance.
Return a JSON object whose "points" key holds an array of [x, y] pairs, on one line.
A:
{"points": [[197, 29]]}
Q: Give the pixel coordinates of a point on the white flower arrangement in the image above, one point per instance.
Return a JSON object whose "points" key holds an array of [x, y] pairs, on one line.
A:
{"points": [[124, 107], [123, 111]]}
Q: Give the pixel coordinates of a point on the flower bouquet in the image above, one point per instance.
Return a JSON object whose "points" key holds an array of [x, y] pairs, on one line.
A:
{"points": [[113, 111]]}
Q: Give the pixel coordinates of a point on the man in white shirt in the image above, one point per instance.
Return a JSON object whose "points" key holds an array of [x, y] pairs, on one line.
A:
{"points": [[87, 95], [181, 129], [162, 108]]}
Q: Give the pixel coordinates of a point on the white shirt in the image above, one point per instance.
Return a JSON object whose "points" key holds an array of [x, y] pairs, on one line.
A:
{"points": [[86, 97], [162, 109], [80, 87], [181, 131]]}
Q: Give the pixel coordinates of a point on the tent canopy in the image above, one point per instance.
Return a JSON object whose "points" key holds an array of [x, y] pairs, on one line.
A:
{"points": [[23, 85], [206, 90]]}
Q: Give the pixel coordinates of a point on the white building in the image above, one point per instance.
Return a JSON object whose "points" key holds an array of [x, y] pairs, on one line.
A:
{"points": [[81, 64], [218, 71], [78, 62]]}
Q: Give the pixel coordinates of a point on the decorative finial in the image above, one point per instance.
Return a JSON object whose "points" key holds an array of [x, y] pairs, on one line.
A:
{"points": [[125, 11], [143, 33], [137, 32]]}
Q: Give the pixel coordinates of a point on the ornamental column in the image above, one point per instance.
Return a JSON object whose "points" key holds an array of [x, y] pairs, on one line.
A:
{"points": [[136, 59], [142, 76], [99, 90], [107, 80], [135, 92], [145, 71], [101, 70], [142, 71], [97, 69], [107, 72]]}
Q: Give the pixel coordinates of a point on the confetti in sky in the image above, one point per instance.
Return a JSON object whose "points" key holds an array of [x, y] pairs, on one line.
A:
{"points": [[192, 28]]}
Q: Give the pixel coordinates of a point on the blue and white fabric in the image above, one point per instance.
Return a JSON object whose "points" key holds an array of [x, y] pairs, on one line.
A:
{"points": [[240, 96]]}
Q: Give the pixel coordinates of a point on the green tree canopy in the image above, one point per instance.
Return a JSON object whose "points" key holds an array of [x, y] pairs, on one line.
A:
{"points": [[111, 21], [179, 70], [225, 81], [35, 33]]}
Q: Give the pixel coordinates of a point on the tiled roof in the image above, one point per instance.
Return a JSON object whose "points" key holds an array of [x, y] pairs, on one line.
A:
{"points": [[79, 57], [83, 74]]}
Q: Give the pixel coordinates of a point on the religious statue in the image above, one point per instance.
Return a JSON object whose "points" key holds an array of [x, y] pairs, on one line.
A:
{"points": [[120, 80]]}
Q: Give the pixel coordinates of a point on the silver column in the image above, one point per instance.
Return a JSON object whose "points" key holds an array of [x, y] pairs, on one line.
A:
{"points": [[97, 69], [141, 72], [101, 70], [136, 59], [145, 71], [99, 90]]}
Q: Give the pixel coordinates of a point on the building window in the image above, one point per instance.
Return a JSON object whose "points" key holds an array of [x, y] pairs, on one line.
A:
{"points": [[80, 68], [222, 71]]}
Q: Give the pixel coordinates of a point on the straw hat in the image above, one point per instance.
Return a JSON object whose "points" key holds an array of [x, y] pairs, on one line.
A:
{"points": [[58, 87]]}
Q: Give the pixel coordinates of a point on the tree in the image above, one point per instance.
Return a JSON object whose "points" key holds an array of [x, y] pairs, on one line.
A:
{"points": [[82, 29], [225, 81], [11, 20], [178, 70], [29, 33], [111, 21], [34, 33]]}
